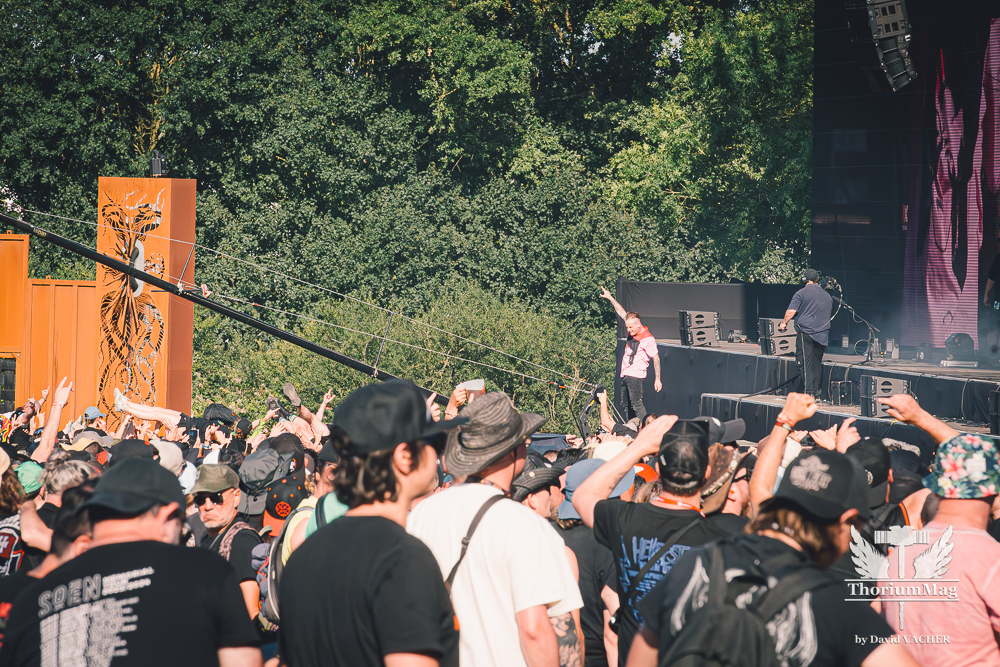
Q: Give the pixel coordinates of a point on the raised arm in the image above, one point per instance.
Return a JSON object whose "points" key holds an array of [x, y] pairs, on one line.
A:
{"points": [[605, 294], [51, 430], [602, 482], [607, 423], [797, 407], [906, 409]]}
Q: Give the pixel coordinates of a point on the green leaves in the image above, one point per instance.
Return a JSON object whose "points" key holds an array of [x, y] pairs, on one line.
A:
{"points": [[416, 151]]}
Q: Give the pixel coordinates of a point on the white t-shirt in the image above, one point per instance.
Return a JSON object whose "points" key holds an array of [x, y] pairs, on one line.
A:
{"points": [[515, 561]]}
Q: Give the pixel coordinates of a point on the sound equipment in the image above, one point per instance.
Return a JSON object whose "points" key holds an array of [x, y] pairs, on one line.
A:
{"points": [[774, 341], [777, 347], [874, 387], [881, 32], [699, 327], [960, 347], [995, 412], [842, 393]]}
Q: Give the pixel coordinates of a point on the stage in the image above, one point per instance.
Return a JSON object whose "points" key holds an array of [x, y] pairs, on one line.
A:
{"points": [[718, 379]]}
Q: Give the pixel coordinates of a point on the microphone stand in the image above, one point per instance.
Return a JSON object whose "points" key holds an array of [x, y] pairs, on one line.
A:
{"points": [[871, 328]]}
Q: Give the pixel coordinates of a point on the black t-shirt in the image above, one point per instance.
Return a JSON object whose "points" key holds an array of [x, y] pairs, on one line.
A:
{"points": [[597, 570], [359, 589], [47, 513], [634, 532], [883, 517], [142, 603], [819, 629], [12, 547], [730, 523], [994, 273], [10, 588], [622, 429], [813, 307], [994, 529], [240, 555]]}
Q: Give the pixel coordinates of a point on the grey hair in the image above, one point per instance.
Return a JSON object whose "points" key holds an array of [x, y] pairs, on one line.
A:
{"points": [[61, 477]]}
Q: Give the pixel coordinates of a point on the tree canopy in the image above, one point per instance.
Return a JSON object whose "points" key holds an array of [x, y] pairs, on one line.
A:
{"points": [[417, 152]]}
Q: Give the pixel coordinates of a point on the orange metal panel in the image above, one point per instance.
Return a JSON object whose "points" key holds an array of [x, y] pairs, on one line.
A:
{"points": [[144, 335], [61, 332], [13, 290]]}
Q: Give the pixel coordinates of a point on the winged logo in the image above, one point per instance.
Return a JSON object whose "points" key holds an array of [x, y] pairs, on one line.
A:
{"points": [[933, 562], [868, 561]]}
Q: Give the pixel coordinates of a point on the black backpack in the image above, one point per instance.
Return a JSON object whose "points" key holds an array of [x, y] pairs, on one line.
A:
{"points": [[720, 633]]}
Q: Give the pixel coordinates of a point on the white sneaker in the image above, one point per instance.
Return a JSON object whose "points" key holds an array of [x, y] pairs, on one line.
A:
{"points": [[120, 400]]}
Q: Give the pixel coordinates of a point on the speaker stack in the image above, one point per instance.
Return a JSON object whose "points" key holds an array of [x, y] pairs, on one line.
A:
{"points": [[874, 387], [774, 341], [881, 32], [699, 327]]}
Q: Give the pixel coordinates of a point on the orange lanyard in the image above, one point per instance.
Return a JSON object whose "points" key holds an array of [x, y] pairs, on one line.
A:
{"points": [[679, 504]]}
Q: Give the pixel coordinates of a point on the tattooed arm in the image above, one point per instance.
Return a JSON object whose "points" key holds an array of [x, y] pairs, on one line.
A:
{"points": [[567, 629]]}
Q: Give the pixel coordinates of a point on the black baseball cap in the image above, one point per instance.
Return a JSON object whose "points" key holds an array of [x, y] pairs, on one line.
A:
{"points": [[134, 485], [720, 431], [683, 456], [810, 275], [382, 415], [822, 484], [130, 448], [875, 459]]}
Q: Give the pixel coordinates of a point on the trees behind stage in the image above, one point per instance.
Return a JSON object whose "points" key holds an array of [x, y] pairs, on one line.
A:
{"points": [[525, 152]]}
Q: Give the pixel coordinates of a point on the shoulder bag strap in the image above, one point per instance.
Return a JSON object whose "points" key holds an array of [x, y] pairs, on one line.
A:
{"points": [[468, 536], [655, 559]]}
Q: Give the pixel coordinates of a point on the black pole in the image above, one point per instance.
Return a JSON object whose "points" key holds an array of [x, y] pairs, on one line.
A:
{"points": [[196, 297]]}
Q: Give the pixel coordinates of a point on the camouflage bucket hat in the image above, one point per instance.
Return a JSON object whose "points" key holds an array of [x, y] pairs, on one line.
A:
{"points": [[966, 467]]}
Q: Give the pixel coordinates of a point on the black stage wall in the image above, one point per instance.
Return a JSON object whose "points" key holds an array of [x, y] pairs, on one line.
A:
{"points": [[738, 304], [689, 372]]}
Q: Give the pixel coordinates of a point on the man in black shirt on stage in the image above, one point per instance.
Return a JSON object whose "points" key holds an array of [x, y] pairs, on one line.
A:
{"points": [[811, 307]]}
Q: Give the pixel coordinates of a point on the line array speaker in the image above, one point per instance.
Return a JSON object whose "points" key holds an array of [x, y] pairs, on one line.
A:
{"points": [[881, 32], [774, 341]]}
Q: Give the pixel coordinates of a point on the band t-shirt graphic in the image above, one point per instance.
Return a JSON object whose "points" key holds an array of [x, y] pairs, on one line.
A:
{"points": [[634, 532], [11, 546], [113, 604]]}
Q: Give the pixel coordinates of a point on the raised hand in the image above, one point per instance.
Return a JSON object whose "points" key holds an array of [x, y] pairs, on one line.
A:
{"points": [[61, 397], [328, 396], [903, 407], [799, 407], [650, 437], [605, 294], [434, 408], [847, 435]]}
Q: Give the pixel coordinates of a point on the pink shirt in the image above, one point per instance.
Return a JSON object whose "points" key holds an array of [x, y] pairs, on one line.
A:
{"points": [[953, 633], [637, 369]]}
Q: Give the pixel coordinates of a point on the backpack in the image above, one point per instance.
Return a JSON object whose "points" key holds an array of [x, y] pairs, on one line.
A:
{"points": [[269, 607], [720, 633], [256, 474]]}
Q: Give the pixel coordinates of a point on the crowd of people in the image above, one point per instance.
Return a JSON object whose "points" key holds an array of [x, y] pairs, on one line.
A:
{"points": [[399, 534]]}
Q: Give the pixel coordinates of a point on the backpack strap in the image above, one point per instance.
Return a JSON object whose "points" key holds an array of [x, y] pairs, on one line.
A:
{"points": [[226, 548], [320, 514], [789, 588], [654, 559], [468, 536]]}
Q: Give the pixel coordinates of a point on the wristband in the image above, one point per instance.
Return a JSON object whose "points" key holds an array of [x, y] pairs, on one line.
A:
{"points": [[784, 425], [785, 421]]}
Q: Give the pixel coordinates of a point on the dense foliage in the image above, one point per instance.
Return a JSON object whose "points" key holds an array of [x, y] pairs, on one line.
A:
{"points": [[479, 165]]}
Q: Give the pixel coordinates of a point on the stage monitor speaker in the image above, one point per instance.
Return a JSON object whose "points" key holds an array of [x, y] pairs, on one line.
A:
{"points": [[697, 319], [767, 327], [874, 387], [778, 347], [995, 412], [842, 393], [700, 335], [881, 32], [699, 327]]}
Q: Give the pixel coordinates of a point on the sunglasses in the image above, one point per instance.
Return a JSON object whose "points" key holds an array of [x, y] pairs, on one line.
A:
{"points": [[201, 498]]}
